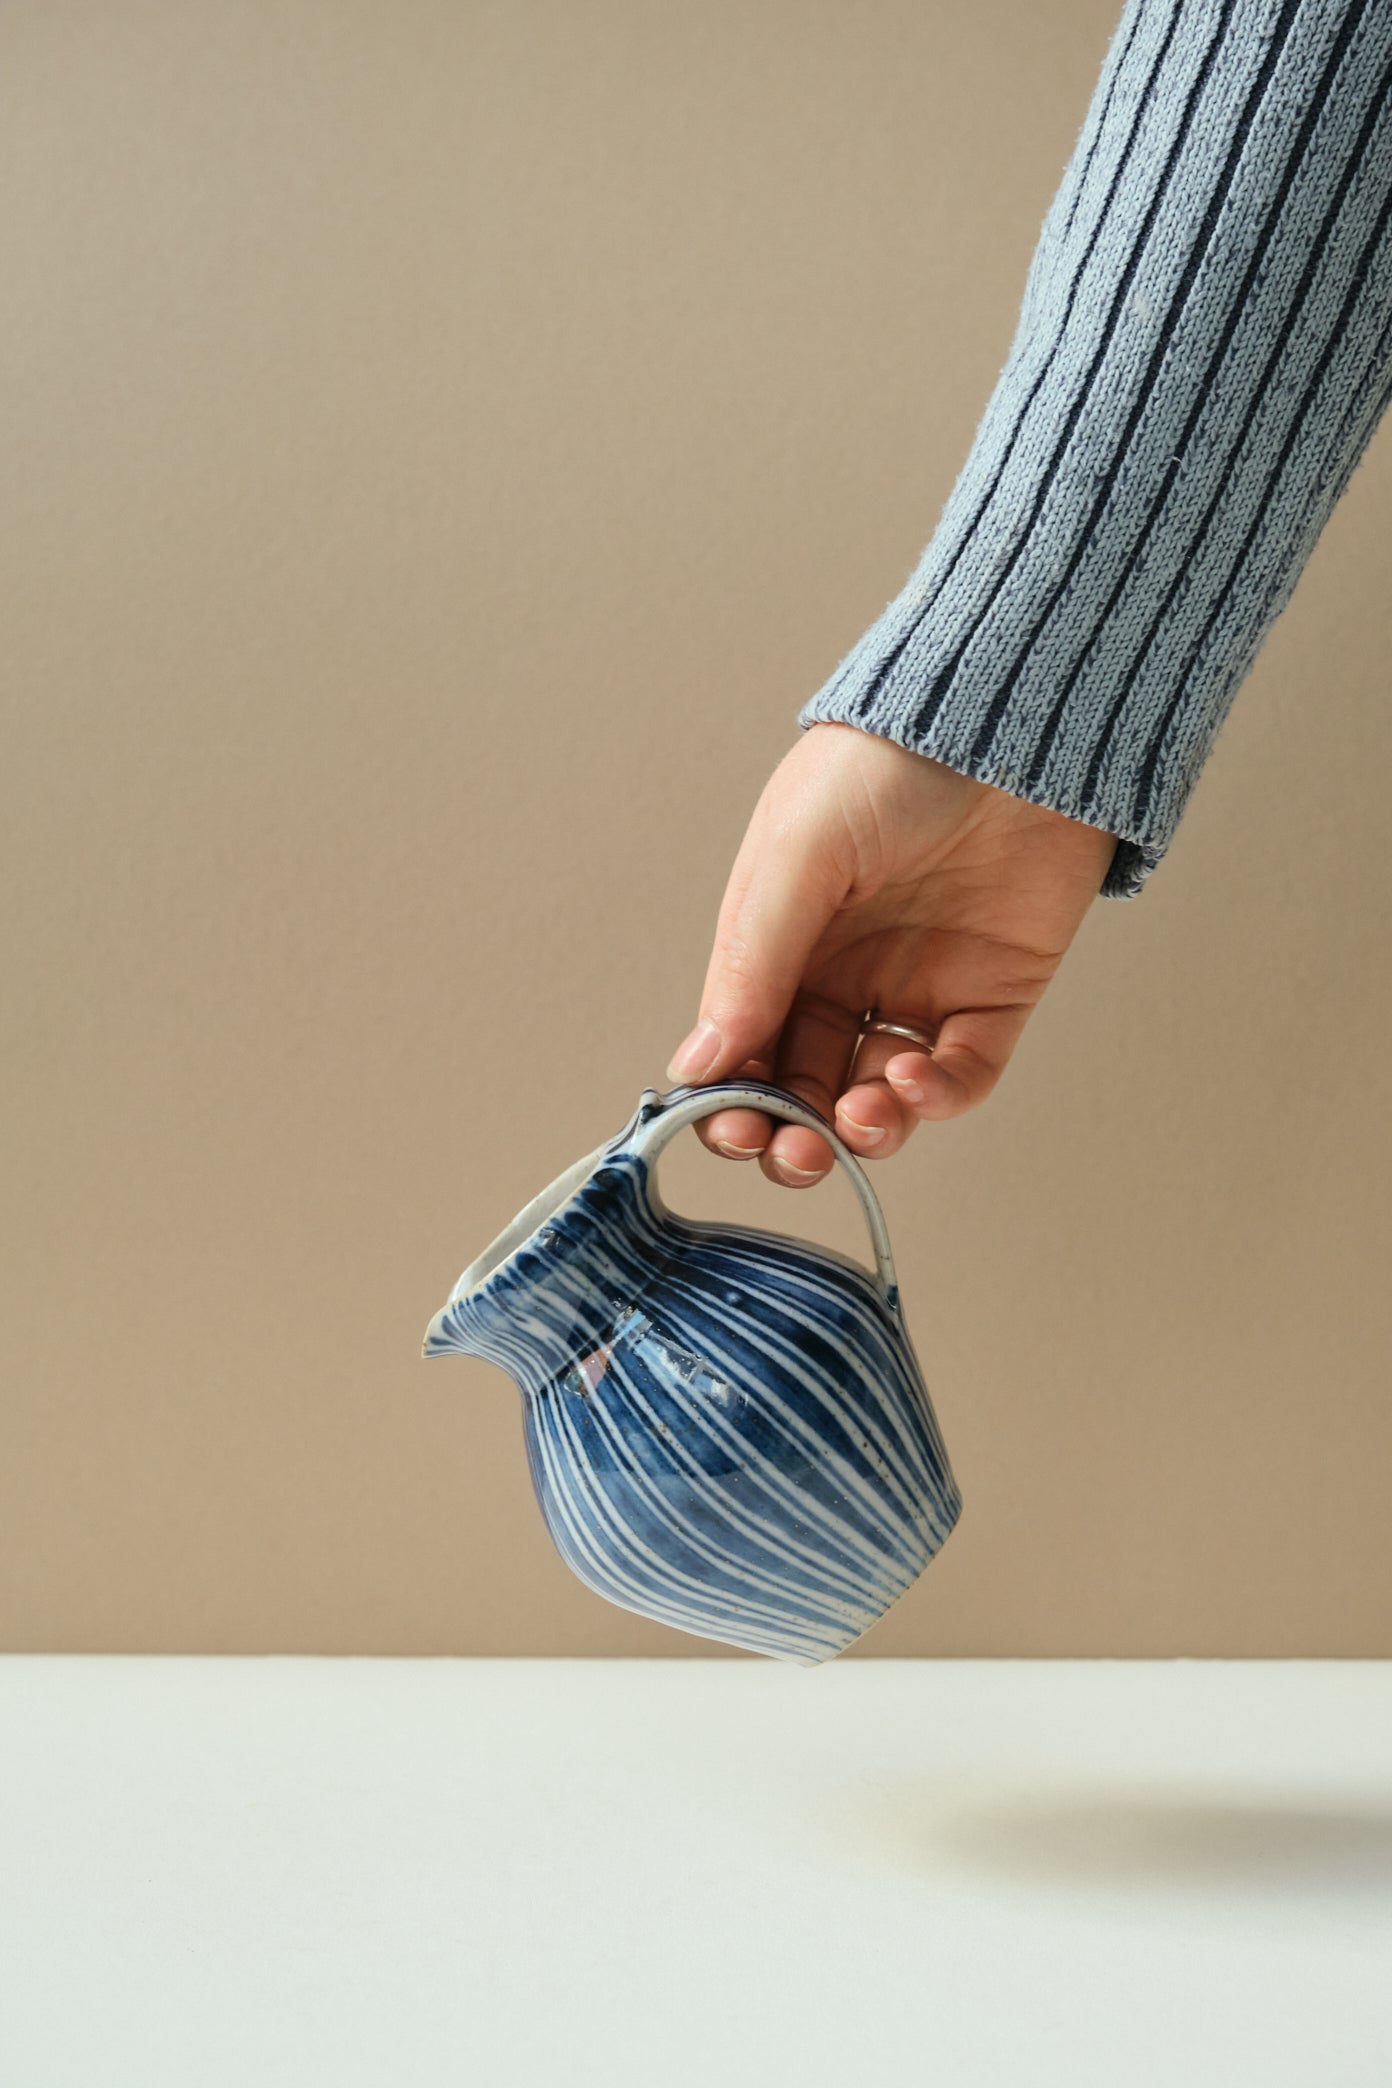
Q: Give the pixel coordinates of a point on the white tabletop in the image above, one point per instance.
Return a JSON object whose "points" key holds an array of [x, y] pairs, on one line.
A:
{"points": [[659, 1874]]}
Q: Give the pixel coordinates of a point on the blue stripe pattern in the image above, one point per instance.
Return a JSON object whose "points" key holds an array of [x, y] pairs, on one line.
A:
{"points": [[1201, 359], [727, 1430]]}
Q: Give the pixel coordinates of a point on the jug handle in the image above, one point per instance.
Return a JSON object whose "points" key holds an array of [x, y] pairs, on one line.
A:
{"points": [[661, 1117]]}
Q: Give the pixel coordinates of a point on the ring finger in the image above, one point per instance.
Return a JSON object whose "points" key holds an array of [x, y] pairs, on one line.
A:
{"points": [[870, 1117]]}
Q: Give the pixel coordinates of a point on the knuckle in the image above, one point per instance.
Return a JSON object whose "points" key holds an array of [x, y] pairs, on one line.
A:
{"points": [[973, 1076], [736, 959]]}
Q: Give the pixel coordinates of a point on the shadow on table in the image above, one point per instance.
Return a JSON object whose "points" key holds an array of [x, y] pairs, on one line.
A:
{"points": [[1128, 1839]]}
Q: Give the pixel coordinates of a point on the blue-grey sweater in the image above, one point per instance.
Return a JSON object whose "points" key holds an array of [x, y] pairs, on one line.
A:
{"points": [[1203, 353]]}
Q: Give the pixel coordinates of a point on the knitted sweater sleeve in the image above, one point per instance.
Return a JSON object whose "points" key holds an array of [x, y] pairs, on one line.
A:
{"points": [[1203, 352]]}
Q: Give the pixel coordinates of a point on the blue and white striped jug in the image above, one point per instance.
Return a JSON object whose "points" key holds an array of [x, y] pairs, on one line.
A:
{"points": [[727, 1429]]}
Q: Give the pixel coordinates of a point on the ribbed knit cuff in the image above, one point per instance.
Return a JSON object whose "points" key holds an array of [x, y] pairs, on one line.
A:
{"points": [[1202, 356]]}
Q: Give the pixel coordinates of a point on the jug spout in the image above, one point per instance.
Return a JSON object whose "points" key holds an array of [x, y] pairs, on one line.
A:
{"points": [[440, 1336]]}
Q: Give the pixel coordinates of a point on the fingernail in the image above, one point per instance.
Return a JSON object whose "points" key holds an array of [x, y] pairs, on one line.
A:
{"points": [[697, 1055], [803, 1174], [723, 1145], [910, 1090], [870, 1133]]}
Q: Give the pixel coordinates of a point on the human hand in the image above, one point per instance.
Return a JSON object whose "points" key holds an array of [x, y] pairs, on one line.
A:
{"points": [[871, 876]]}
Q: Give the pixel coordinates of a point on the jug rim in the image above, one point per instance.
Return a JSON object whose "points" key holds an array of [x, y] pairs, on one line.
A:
{"points": [[548, 1203]]}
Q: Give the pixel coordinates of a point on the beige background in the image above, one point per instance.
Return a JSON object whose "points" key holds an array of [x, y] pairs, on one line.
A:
{"points": [[444, 444]]}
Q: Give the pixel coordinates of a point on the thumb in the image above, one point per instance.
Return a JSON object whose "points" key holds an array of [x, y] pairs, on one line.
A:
{"points": [[783, 890]]}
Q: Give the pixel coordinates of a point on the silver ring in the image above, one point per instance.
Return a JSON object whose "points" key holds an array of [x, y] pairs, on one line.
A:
{"points": [[874, 1024]]}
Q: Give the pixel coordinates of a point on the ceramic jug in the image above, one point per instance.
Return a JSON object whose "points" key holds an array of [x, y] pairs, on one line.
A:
{"points": [[727, 1429]]}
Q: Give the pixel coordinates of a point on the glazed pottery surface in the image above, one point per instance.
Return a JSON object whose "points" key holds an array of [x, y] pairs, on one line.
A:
{"points": [[727, 1429]]}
